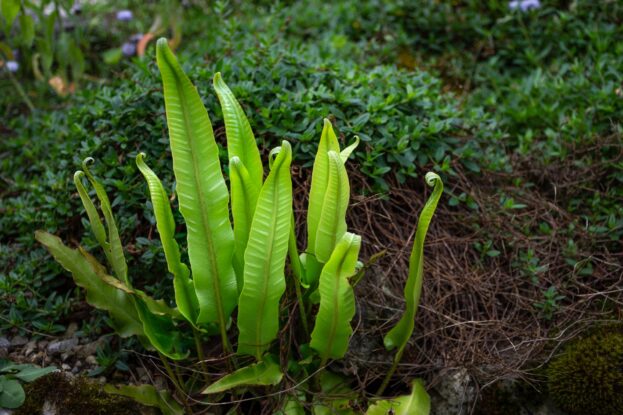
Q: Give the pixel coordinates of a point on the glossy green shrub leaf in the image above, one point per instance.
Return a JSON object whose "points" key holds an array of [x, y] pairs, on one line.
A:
{"points": [[84, 269], [417, 403], [400, 334], [244, 194], [148, 395], [185, 296], [264, 373], [11, 393], [319, 183], [337, 301], [332, 224], [30, 372], [201, 190], [264, 281]]}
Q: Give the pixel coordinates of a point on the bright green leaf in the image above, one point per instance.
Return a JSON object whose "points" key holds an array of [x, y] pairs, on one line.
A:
{"points": [[400, 334], [10, 9], [27, 25], [417, 403], [244, 194], [185, 296], [337, 302], [202, 192], [264, 258], [240, 139], [332, 224], [148, 395], [319, 183], [100, 295], [264, 373]]}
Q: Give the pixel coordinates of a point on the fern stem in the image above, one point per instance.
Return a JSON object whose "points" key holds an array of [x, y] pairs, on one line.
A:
{"points": [[21, 92], [177, 382], [389, 375], [295, 264], [201, 356]]}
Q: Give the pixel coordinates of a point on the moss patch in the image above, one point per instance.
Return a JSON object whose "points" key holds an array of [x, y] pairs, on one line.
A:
{"points": [[588, 377], [74, 396]]}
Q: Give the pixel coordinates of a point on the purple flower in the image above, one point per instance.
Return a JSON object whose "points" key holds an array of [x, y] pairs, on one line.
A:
{"points": [[524, 5], [12, 66], [124, 15], [128, 49]]}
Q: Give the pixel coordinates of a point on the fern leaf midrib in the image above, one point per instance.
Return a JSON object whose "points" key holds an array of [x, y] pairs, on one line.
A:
{"points": [[204, 219], [267, 265], [335, 317]]}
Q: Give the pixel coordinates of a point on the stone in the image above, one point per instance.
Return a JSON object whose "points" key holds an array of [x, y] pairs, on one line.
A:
{"points": [[31, 346], [18, 341], [61, 346], [90, 348], [90, 360], [49, 409], [4, 343], [455, 392], [65, 367]]}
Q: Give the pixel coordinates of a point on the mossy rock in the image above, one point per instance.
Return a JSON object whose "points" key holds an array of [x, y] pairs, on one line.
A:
{"points": [[587, 378], [74, 396]]}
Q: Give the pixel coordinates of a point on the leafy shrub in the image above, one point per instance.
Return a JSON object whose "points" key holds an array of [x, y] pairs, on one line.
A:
{"points": [[11, 374], [586, 378]]}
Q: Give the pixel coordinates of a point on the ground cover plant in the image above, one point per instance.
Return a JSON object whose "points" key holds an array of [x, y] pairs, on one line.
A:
{"points": [[518, 111]]}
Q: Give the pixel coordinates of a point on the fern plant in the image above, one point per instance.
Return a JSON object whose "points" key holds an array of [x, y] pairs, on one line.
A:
{"points": [[243, 266]]}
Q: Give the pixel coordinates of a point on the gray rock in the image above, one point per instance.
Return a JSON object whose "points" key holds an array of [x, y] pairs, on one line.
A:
{"points": [[18, 341], [49, 409], [4, 344], [61, 346], [5, 411], [90, 348], [455, 393], [90, 360], [31, 346]]}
